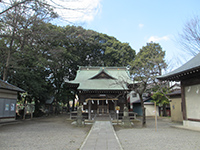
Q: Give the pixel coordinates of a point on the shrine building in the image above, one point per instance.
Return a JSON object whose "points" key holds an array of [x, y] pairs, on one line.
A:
{"points": [[101, 89]]}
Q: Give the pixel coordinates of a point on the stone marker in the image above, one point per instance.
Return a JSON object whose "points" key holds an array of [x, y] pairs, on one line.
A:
{"points": [[79, 118], [126, 120]]}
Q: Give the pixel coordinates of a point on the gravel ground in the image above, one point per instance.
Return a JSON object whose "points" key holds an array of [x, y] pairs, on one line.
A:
{"points": [[165, 138], [50, 133], [57, 133]]}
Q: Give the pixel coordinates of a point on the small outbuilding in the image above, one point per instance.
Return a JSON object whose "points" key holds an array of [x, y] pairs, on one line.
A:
{"points": [[8, 100], [189, 75], [149, 107], [175, 106]]}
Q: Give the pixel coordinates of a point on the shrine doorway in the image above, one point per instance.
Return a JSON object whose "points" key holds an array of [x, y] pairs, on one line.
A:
{"points": [[100, 106], [103, 107]]}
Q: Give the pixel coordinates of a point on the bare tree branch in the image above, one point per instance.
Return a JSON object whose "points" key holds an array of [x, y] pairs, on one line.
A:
{"points": [[12, 6], [189, 39]]}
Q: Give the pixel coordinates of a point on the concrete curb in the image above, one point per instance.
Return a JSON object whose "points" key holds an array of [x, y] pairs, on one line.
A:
{"points": [[87, 137], [186, 128], [116, 137]]}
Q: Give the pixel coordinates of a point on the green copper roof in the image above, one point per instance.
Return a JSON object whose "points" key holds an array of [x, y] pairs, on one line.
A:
{"points": [[102, 78]]}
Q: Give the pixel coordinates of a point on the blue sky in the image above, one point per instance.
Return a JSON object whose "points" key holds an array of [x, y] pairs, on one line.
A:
{"points": [[139, 22]]}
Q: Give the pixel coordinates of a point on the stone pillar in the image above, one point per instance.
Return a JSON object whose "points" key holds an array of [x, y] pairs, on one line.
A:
{"points": [[79, 118], [89, 109], [97, 106], [116, 115], [126, 120], [125, 113]]}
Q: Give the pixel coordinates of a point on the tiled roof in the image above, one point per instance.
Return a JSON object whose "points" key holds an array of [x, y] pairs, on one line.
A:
{"points": [[176, 92], [192, 66], [144, 100], [8, 86], [86, 78]]}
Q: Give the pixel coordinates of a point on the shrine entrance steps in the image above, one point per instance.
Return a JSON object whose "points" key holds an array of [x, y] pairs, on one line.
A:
{"points": [[102, 117]]}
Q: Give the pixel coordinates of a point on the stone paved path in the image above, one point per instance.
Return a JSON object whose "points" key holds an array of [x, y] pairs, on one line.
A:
{"points": [[101, 137]]}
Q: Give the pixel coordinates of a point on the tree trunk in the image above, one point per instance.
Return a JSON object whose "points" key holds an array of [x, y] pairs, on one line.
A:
{"points": [[164, 110], [24, 115], [5, 71], [143, 111], [68, 107]]}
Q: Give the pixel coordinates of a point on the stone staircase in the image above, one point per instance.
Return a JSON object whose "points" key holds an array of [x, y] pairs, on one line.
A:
{"points": [[102, 117]]}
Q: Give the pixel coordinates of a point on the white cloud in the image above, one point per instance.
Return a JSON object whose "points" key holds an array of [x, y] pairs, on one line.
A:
{"points": [[158, 39], [141, 25], [76, 10]]}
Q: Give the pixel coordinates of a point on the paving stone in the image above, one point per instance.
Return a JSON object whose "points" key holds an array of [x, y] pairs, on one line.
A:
{"points": [[106, 139]]}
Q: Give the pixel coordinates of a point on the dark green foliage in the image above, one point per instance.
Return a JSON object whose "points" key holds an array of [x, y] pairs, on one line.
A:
{"points": [[160, 98], [37, 56], [148, 64]]}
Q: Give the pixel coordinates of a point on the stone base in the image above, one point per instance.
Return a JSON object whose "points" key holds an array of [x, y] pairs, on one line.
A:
{"points": [[126, 122], [79, 121], [188, 123], [7, 120]]}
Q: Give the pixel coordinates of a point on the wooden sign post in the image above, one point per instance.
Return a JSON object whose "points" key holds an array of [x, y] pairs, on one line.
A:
{"points": [[155, 116], [117, 108]]}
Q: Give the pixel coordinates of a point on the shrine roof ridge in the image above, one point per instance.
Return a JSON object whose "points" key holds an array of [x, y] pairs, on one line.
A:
{"points": [[101, 67], [101, 78]]}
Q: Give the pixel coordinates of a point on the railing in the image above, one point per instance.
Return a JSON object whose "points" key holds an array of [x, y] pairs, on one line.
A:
{"points": [[132, 115], [73, 115]]}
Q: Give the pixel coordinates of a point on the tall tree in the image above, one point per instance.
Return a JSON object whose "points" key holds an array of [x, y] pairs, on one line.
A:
{"points": [[148, 64], [76, 46], [90, 48], [42, 55], [18, 26], [117, 53]]}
